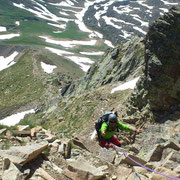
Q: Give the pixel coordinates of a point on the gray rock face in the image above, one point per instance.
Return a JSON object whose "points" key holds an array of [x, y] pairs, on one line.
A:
{"points": [[6, 50], [118, 64], [107, 155], [158, 90], [22, 154]]}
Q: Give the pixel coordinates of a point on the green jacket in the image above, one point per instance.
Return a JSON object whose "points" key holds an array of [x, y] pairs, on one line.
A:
{"points": [[109, 132]]}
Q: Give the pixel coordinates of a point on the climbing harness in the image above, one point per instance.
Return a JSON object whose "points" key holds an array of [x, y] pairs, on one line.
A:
{"points": [[142, 165]]}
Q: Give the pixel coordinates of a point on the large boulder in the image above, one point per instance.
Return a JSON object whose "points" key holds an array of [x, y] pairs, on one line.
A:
{"points": [[20, 155], [81, 169]]}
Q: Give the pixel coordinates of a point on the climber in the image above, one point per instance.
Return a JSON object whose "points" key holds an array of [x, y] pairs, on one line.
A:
{"points": [[108, 129]]}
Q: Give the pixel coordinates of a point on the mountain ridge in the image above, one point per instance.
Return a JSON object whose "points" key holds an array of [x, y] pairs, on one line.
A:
{"points": [[71, 117]]}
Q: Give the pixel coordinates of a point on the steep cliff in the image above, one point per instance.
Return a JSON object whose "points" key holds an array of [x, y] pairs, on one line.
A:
{"points": [[157, 95]]}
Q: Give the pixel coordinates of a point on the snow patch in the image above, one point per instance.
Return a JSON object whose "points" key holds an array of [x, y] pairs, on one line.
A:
{"points": [[47, 67], [128, 85], [92, 53], [62, 26], [58, 51], [69, 44], [83, 62], [2, 29], [17, 23], [8, 61], [8, 36], [108, 43], [15, 118]]}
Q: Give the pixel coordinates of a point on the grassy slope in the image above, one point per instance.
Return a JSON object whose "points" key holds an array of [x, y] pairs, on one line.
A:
{"points": [[18, 84], [64, 66], [31, 26], [76, 114], [23, 82], [9, 14]]}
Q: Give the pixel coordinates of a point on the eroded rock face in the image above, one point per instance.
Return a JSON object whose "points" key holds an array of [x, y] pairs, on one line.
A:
{"points": [[159, 88], [118, 64]]}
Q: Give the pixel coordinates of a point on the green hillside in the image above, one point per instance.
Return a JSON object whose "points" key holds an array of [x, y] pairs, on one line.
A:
{"points": [[26, 81], [31, 27], [25, 85]]}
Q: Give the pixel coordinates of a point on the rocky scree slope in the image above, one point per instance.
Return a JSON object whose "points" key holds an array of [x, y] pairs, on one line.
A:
{"points": [[40, 154]]}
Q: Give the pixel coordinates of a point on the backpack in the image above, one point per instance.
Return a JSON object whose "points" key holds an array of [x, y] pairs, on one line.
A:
{"points": [[103, 118]]}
